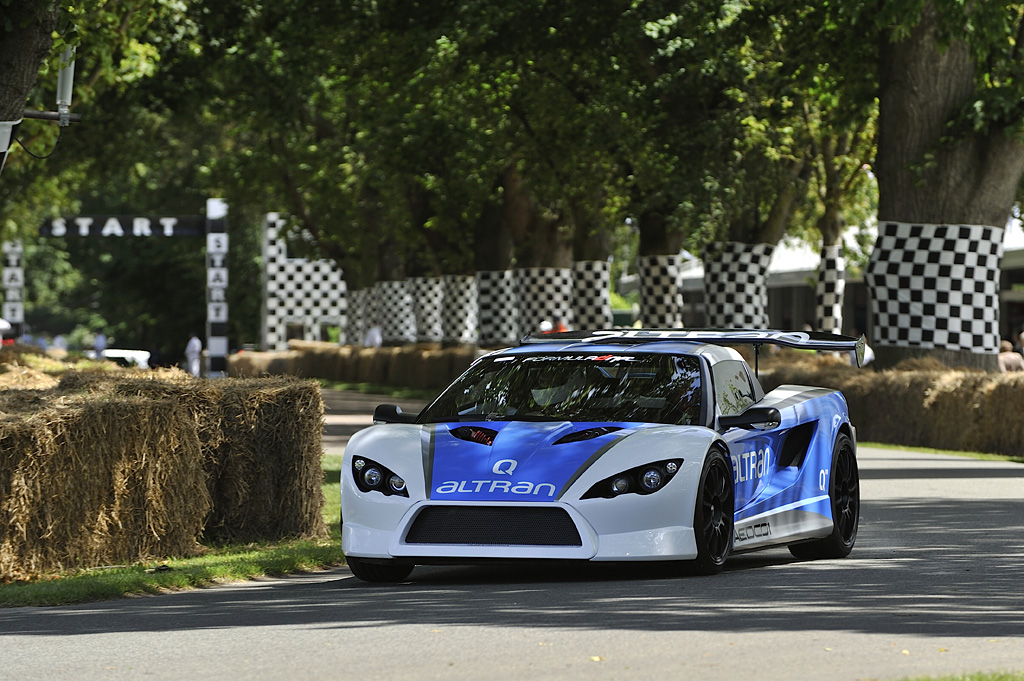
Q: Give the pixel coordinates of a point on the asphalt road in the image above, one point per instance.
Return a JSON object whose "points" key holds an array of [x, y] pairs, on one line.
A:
{"points": [[934, 586]]}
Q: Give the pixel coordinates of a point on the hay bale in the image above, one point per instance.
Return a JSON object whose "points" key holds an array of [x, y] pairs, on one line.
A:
{"points": [[406, 365], [14, 375], [997, 419], [921, 403], [434, 371], [266, 476], [118, 468], [261, 444], [462, 356], [424, 366], [253, 364], [317, 359], [99, 482]]}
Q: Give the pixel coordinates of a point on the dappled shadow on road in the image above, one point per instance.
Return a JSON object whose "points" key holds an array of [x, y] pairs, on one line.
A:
{"points": [[920, 567]]}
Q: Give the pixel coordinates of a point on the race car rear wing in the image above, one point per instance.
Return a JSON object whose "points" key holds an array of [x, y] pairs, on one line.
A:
{"points": [[802, 340]]}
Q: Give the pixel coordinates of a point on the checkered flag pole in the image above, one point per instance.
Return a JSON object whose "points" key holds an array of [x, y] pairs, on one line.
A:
{"points": [[591, 297], [298, 291], [831, 286], [936, 286], [543, 293], [661, 295], [498, 319], [459, 315], [736, 284]]}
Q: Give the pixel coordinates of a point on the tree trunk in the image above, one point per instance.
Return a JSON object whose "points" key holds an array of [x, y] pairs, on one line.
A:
{"points": [[22, 51], [492, 240], [541, 239], [655, 236], [736, 285], [832, 267], [661, 297], [591, 269], [922, 177], [592, 235], [830, 224], [831, 287], [937, 195], [736, 271]]}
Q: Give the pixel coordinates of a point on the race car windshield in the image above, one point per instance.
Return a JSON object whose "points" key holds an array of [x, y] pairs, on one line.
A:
{"points": [[649, 388]]}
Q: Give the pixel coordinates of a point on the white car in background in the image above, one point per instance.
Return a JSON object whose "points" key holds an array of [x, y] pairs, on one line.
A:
{"points": [[138, 359]]}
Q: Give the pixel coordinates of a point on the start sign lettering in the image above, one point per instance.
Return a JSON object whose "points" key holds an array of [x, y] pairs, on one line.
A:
{"points": [[213, 226], [124, 226]]}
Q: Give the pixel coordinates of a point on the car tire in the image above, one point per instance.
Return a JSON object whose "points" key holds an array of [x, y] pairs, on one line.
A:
{"points": [[714, 514], [378, 571], [844, 498]]}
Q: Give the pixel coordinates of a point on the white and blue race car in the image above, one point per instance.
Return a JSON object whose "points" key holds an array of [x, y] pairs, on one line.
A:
{"points": [[617, 445]]}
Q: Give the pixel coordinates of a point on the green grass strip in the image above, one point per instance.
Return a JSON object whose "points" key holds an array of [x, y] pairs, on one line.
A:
{"points": [[981, 456], [219, 565]]}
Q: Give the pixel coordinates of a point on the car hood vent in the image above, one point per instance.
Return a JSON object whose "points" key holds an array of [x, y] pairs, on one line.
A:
{"points": [[483, 436], [586, 434]]}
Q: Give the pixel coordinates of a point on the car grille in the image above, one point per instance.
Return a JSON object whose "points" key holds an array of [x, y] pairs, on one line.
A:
{"points": [[494, 526]]}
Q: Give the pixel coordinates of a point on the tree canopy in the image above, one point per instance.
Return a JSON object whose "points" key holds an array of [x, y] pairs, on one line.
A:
{"points": [[426, 138]]}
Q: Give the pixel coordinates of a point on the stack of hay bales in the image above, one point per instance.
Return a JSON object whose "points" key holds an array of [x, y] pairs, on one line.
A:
{"points": [[113, 468], [918, 403], [422, 366]]}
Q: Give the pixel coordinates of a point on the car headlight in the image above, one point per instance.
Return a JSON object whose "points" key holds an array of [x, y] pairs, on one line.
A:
{"points": [[651, 479], [645, 479], [370, 476]]}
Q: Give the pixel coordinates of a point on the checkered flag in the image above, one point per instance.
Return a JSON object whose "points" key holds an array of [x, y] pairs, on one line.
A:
{"points": [[394, 303], [543, 293], [498, 308], [428, 303], [591, 298], [736, 285], [460, 314], [831, 286], [936, 286], [661, 296], [298, 291]]}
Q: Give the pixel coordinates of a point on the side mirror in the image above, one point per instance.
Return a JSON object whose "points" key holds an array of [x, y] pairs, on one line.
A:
{"points": [[754, 417], [391, 413]]}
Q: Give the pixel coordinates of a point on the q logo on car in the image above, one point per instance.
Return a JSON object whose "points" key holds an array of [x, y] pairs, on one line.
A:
{"points": [[505, 467]]}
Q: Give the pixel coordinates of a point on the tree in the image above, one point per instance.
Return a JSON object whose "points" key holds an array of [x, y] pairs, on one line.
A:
{"points": [[950, 160], [130, 155], [26, 36]]}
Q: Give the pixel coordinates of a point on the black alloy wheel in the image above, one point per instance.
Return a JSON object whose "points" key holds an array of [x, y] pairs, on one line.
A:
{"points": [[714, 514], [844, 497]]}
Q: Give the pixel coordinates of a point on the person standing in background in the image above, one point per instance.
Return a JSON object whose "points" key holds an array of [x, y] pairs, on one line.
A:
{"points": [[193, 350], [1008, 359], [99, 344]]}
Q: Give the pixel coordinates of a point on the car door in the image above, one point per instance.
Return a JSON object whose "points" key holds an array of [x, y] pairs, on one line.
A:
{"points": [[751, 451]]}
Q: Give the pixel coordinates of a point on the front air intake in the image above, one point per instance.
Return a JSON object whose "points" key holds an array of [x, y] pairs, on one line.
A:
{"points": [[494, 526], [587, 434]]}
